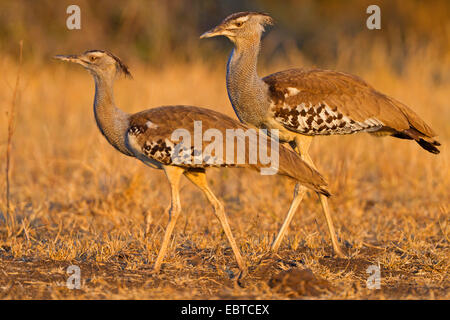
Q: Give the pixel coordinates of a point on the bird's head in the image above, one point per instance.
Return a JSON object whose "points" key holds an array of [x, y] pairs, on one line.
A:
{"points": [[99, 62], [241, 26]]}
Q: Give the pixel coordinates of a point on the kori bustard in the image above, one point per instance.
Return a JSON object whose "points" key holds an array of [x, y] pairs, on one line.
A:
{"points": [[303, 103], [147, 136]]}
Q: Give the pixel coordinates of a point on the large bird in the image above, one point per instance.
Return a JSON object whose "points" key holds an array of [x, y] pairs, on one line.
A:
{"points": [[153, 135], [303, 103]]}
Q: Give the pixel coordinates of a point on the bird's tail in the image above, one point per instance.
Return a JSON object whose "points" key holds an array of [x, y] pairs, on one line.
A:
{"points": [[293, 166], [428, 143], [288, 164], [419, 131]]}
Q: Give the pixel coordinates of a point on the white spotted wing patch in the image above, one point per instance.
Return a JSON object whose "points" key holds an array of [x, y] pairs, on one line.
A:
{"points": [[320, 119], [167, 152], [190, 157], [160, 150], [136, 130]]}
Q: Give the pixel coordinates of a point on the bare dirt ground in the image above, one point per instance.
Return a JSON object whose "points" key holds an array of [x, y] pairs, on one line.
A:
{"points": [[207, 273], [76, 201]]}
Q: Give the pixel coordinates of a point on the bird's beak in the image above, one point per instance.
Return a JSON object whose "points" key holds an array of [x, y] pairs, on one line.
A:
{"points": [[71, 58], [214, 32]]}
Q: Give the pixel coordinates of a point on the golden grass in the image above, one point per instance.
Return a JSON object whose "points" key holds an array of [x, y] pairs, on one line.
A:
{"points": [[77, 201], [11, 117]]}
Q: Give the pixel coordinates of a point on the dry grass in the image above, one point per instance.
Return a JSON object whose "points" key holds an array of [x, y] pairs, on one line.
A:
{"points": [[11, 117], [77, 201]]}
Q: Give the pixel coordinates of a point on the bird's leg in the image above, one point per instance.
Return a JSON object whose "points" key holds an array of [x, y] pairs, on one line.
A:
{"points": [[199, 179], [301, 146], [299, 192], [173, 175], [326, 212], [148, 224], [149, 220]]}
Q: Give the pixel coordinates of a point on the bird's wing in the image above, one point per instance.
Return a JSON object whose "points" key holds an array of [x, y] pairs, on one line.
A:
{"points": [[157, 132], [323, 102], [154, 134]]}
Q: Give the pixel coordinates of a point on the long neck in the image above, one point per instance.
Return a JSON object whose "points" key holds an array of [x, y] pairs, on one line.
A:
{"points": [[112, 122], [247, 92]]}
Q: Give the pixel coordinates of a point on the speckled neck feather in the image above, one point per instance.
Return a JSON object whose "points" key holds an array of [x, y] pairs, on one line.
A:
{"points": [[247, 92], [112, 122]]}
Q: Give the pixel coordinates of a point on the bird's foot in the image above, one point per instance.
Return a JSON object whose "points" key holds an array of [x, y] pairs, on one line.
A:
{"points": [[241, 278]]}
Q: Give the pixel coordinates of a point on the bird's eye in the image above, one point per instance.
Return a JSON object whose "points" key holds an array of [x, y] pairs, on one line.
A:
{"points": [[92, 58], [238, 24]]}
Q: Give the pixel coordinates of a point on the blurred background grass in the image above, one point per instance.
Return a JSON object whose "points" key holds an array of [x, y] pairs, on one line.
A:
{"points": [[160, 31]]}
